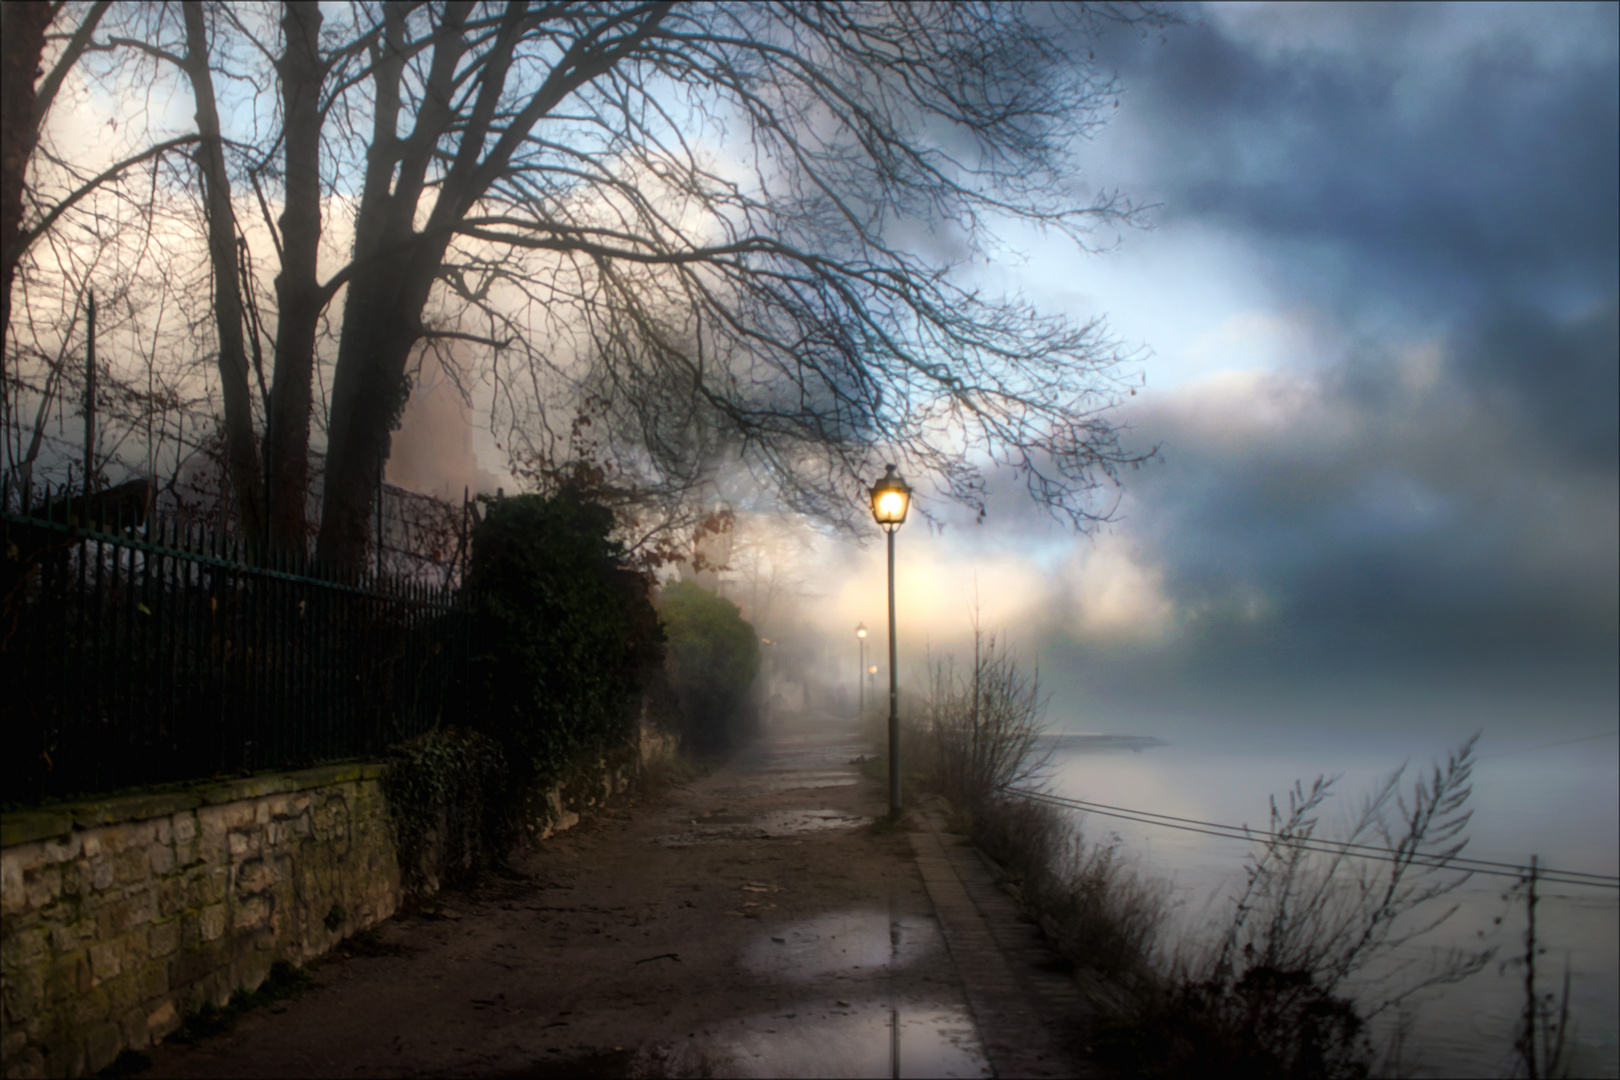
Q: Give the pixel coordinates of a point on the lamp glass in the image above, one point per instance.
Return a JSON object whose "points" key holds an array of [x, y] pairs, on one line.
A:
{"points": [[891, 498]]}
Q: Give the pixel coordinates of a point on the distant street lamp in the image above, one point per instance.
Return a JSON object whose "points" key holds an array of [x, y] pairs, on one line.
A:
{"points": [[860, 678], [891, 498]]}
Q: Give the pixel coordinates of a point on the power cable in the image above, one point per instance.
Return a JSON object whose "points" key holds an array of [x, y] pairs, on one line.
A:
{"points": [[1550, 745], [1330, 847], [1236, 832], [1248, 832]]}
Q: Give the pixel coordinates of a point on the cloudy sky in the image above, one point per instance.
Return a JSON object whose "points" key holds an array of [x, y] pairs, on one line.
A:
{"points": [[1376, 312], [1379, 306]]}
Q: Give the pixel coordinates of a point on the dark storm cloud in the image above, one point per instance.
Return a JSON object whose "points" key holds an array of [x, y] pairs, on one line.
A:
{"points": [[1352, 507], [1562, 377], [1445, 173], [1433, 190], [1381, 516]]}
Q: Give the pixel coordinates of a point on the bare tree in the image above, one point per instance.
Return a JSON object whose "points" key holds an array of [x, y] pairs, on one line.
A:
{"points": [[22, 42], [45, 47], [23, 107], [229, 312], [744, 226], [768, 556]]}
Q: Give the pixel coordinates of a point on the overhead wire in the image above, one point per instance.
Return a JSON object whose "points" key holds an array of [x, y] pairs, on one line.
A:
{"points": [[1550, 745], [1249, 832], [1326, 847]]}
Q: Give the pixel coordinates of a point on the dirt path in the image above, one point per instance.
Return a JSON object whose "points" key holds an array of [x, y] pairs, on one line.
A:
{"points": [[750, 924]]}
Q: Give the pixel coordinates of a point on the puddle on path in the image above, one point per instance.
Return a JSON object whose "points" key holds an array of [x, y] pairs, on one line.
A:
{"points": [[723, 828], [798, 822], [857, 1038], [862, 1038], [841, 942], [794, 779]]}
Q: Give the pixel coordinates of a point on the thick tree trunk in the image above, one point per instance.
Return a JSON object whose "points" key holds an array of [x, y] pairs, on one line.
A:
{"points": [[395, 266], [352, 458], [298, 292], [22, 43], [367, 389], [241, 449]]}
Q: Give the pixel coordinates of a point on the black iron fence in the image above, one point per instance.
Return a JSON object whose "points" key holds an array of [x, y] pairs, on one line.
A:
{"points": [[136, 650]]}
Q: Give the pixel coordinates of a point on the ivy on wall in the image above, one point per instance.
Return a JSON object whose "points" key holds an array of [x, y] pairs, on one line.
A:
{"points": [[447, 794], [562, 636]]}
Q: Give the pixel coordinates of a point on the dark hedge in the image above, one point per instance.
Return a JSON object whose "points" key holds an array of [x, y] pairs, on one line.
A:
{"points": [[714, 658], [563, 635]]}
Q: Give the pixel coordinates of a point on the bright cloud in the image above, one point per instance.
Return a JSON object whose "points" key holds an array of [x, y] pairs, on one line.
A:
{"points": [[1115, 596]]}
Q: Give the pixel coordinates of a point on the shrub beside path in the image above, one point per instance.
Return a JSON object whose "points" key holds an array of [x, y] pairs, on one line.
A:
{"points": [[750, 923]]}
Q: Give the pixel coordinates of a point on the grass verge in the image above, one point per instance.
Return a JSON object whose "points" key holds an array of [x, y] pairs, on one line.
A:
{"points": [[1264, 992], [1267, 991]]}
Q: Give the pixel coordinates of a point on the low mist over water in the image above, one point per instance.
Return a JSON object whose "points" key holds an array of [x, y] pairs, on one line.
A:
{"points": [[1561, 803]]}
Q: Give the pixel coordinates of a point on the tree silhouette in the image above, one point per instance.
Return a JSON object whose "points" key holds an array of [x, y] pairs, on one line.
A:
{"points": [[747, 229]]}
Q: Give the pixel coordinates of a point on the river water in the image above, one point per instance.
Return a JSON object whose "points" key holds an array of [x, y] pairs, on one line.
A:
{"points": [[1560, 803]]}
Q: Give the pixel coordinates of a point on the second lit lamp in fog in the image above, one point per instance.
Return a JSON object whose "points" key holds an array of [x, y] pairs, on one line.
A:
{"points": [[860, 678]]}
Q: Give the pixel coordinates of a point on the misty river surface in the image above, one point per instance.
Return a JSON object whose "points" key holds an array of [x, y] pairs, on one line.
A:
{"points": [[1561, 804]]}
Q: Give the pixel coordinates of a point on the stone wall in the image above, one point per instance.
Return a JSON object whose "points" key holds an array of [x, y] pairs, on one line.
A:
{"points": [[120, 916]]}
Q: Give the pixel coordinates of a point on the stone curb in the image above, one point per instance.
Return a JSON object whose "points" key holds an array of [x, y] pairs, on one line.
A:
{"points": [[1019, 1035]]}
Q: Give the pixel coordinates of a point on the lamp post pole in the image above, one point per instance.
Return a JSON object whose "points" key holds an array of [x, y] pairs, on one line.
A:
{"points": [[891, 498], [894, 696]]}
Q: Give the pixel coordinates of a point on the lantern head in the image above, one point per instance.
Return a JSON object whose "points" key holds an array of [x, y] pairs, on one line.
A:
{"points": [[891, 498]]}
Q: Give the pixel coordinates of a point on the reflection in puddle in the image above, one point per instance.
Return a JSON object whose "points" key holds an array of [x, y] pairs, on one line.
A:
{"points": [[843, 942], [801, 782], [780, 823], [794, 822], [862, 1039]]}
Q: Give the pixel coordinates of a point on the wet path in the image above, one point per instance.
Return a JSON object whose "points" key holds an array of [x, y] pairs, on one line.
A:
{"points": [[752, 923]]}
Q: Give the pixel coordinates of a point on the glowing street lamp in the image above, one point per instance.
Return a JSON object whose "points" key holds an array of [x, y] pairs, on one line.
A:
{"points": [[891, 498], [860, 678]]}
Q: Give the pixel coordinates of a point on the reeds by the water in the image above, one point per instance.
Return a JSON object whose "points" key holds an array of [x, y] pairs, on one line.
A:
{"points": [[1277, 986]]}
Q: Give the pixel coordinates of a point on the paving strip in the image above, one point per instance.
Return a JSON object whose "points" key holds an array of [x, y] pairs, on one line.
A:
{"points": [[1030, 1013]]}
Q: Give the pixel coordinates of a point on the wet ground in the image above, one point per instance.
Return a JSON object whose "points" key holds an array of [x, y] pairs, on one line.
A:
{"points": [[753, 923]]}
